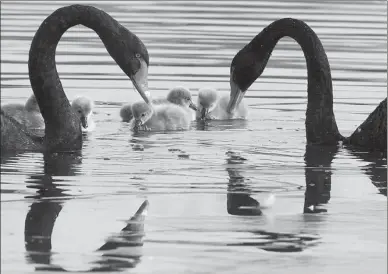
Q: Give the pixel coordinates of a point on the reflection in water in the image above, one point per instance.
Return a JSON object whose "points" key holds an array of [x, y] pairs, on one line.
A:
{"points": [[318, 161], [376, 169], [122, 251], [44, 210], [48, 204], [220, 125], [239, 201]]}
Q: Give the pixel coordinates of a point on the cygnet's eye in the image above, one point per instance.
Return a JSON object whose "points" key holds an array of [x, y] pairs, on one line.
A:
{"points": [[188, 99], [143, 115], [79, 111], [137, 55]]}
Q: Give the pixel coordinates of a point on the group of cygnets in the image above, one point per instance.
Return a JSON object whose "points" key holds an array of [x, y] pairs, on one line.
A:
{"points": [[175, 112]]}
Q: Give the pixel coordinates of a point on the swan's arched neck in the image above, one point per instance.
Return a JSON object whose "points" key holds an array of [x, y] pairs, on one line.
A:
{"points": [[62, 125], [250, 62]]}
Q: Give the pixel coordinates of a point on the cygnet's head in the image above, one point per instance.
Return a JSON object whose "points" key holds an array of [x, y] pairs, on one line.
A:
{"points": [[141, 112], [83, 108], [32, 105], [207, 100], [181, 96], [126, 113]]}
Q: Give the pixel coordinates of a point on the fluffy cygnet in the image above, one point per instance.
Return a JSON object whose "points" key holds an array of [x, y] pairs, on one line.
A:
{"points": [[27, 114], [30, 115], [163, 117], [212, 106], [179, 96]]}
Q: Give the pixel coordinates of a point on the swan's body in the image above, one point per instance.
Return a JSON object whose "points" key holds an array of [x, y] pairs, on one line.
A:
{"points": [[213, 106], [165, 117], [62, 125], [321, 127], [180, 96]]}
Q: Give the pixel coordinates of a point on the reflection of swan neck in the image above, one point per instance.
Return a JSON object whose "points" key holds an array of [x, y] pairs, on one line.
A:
{"points": [[321, 125], [42, 68]]}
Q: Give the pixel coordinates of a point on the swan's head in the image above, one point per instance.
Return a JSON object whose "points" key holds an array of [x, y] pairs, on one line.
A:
{"points": [[207, 100], [246, 67], [32, 105], [131, 55], [181, 96], [141, 112], [82, 106]]}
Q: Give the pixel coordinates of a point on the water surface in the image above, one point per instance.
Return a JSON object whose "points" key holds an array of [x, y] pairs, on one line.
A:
{"points": [[329, 211]]}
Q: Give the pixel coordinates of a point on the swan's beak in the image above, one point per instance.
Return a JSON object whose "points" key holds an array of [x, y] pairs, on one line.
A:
{"points": [[140, 81], [193, 106], [236, 95], [84, 122]]}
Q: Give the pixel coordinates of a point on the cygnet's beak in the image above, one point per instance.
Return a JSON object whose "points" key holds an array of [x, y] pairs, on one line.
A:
{"points": [[140, 81], [236, 95], [84, 122], [204, 112], [138, 123], [193, 106]]}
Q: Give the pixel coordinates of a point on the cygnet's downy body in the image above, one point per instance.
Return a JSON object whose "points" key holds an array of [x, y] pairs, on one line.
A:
{"points": [[212, 106], [179, 96], [27, 114], [164, 117], [30, 115]]}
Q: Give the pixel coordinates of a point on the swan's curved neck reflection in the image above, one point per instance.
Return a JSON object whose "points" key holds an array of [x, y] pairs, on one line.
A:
{"points": [[318, 161], [239, 200], [47, 204], [119, 252]]}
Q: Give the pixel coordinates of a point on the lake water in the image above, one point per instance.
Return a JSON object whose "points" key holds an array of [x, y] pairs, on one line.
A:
{"points": [[324, 210]]}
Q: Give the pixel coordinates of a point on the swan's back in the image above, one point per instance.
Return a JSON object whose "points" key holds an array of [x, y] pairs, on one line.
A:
{"points": [[15, 136]]}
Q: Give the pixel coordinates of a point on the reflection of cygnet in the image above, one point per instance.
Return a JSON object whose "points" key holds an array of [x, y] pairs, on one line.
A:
{"points": [[212, 106], [159, 117], [179, 96], [28, 114]]}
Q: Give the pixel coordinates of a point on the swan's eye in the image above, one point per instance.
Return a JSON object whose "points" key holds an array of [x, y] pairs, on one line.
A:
{"points": [[188, 99], [79, 111], [143, 115], [137, 55]]}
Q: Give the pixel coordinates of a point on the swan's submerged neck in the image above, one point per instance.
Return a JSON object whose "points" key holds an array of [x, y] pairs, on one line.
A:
{"points": [[321, 126]]}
